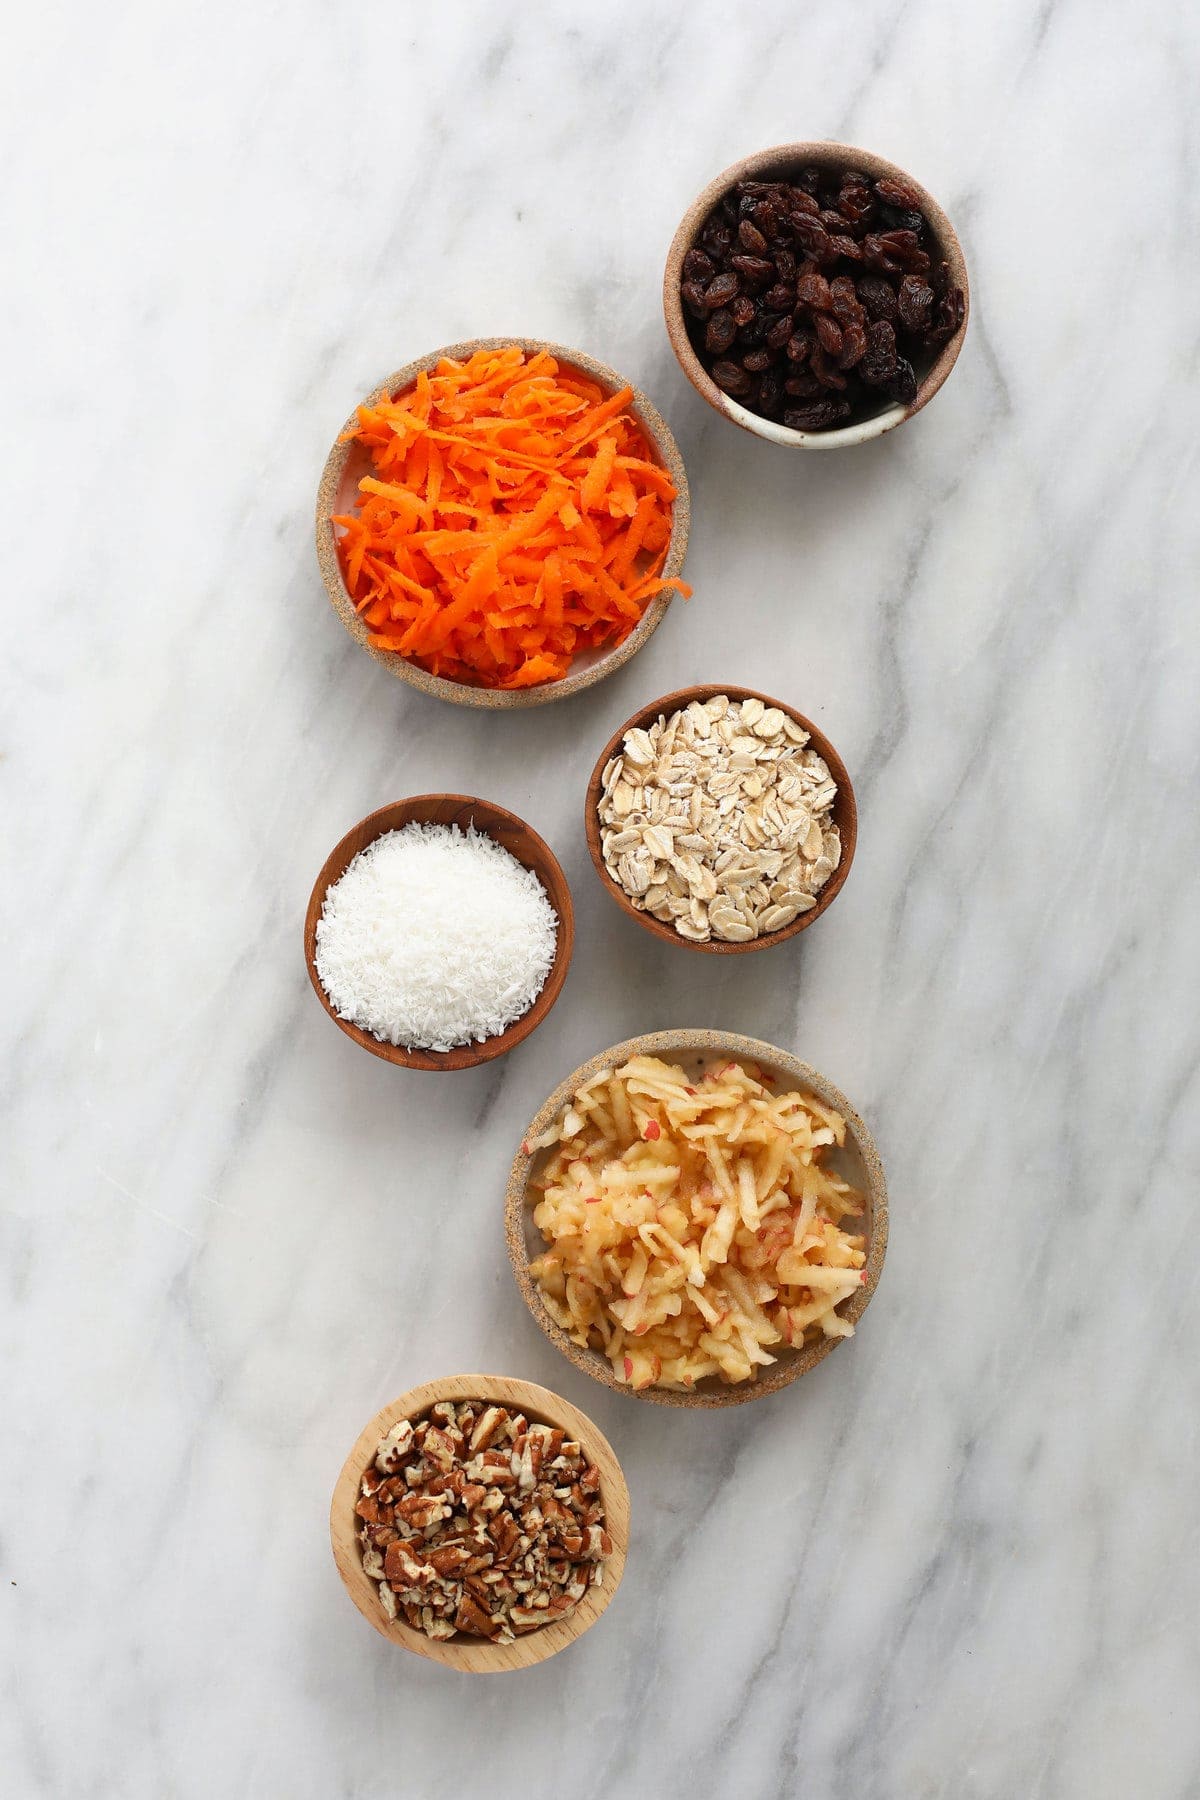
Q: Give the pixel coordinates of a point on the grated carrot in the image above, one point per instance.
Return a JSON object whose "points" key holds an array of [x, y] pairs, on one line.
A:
{"points": [[514, 517]]}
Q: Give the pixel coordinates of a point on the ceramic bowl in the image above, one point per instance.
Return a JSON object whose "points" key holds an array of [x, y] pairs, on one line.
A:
{"points": [[522, 842], [476, 1655], [778, 163], [845, 817], [858, 1162], [347, 463]]}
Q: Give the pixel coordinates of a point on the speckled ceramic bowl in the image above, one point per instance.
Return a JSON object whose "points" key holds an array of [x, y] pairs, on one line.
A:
{"points": [[858, 1162], [778, 163], [347, 463]]}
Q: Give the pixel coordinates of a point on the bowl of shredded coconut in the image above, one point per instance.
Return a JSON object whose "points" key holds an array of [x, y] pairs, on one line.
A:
{"points": [[439, 932]]}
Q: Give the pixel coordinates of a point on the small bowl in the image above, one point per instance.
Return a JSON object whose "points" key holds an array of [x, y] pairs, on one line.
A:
{"points": [[777, 164], [347, 463], [477, 1655], [521, 841], [858, 1161], [845, 817]]}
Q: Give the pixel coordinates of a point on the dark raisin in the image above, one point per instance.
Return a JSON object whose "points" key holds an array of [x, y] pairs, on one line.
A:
{"points": [[756, 269], [720, 291], [832, 221], [802, 205], [716, 238], [819, 416], [799, 347], [879, 363], [892, 219], [897, 193], [847, 247], [785, 263], [721, 331], [904, 382], [803, 387], [843, 301], [758, 360], [878, 297], [856, 205], [875, 255], [823, 369], [751, 238], [829, 334], [951, 310], [770, 392], [751, 335], [810, 234], [741, 310], [813, 290], [780, 298], [767, 217], [905, 249], [913, 303], [692, 293], [854, 345], [731, 379], [697, 266], [779, 332]]}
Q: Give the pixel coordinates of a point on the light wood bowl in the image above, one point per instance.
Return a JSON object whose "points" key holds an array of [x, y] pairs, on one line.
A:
{"points": [[338, 493], [522, 842], [845, 817], [476, 1655], [778, 163], [858, 1162]]}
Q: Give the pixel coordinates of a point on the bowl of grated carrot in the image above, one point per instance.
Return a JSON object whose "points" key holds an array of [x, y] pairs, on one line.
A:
{"points": [[503, 523]]}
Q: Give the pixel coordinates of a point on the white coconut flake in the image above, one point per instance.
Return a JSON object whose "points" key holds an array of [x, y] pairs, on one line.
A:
{"points": [[435, 937]]}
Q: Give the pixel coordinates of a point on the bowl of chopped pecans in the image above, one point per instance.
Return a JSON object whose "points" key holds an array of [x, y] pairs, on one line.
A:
{"points": [[481, 1522], [816, 295], [721, 819]]}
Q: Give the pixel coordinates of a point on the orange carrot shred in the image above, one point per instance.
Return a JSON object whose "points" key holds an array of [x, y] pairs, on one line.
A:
{"points": [[514, 517]]}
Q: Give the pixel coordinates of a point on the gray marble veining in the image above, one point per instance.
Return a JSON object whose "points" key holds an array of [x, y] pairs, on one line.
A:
{"points": [[957, 1562]]}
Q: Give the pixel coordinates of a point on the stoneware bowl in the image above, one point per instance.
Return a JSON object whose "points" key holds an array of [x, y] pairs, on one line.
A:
{"points": [[845, 817], [521, 841], [858, 1162], [477, 1655], [777, 164], [347, 463]]}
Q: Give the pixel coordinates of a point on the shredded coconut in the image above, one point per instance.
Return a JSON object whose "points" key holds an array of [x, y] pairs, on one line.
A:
{"points": [[435, 937]]}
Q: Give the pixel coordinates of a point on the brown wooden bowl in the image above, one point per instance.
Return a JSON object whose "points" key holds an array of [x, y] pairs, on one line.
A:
{"points": [[778, 163], [858, 1161], [477, 1655], [338, 493], [521, 841], [845, 817]]}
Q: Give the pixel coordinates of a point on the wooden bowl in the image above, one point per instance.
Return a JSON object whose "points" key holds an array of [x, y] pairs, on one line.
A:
{"points": [[477, 1655], [776, 164], [521, 841], [338, 493], [858, 1162], [845, 817]]}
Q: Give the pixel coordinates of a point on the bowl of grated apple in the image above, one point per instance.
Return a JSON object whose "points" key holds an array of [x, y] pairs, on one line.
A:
{"points": [[697, 1218]]}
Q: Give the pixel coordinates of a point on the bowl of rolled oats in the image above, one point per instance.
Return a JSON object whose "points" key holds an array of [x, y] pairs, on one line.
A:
{"points": [[721, 819], [481, 1522]]}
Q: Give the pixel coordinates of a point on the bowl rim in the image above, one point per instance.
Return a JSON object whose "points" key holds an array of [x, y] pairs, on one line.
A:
{"points": [[476, 1655], [821, 152], [791, 1364], [845, 817], [666, 451], [485, 813]]}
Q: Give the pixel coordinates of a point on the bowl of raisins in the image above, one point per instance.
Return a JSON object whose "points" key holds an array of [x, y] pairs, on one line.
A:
{"points": [[816, 295]]}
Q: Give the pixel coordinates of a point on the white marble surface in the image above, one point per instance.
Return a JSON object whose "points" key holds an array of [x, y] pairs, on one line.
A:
{"points": [[957, 1561]]}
